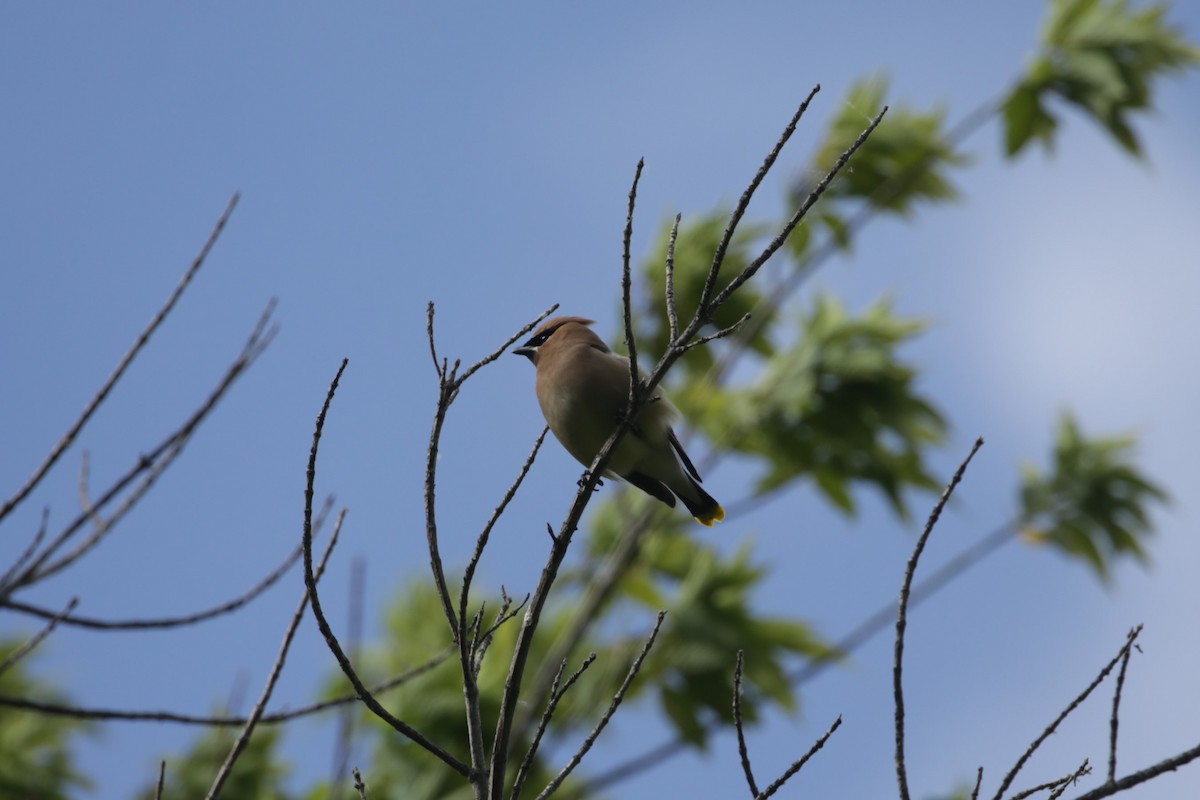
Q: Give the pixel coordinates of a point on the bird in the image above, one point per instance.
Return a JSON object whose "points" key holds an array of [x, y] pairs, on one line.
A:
{"points": [[583, 390]]}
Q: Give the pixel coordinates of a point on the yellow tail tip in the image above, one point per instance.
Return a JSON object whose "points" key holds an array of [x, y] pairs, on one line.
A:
{"points": [[715, 515]]}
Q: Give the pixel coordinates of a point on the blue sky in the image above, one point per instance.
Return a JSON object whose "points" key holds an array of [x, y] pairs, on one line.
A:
{"points": [[388, 156]]}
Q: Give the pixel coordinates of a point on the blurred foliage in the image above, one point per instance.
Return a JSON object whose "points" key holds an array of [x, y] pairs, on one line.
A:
{"points": [[710, 617], [35, 752], [258, 774], [1093, 503], [905, 161], [1101, 57], [838, 406]]}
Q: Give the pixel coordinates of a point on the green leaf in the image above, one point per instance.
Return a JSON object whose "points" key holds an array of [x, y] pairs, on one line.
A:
{"points": [[1093, 504], [903, 163], [838, 406], [1102, 58], [1025, 120]]}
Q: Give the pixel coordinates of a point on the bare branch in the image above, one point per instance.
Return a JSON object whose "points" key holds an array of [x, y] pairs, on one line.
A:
{"points": [[310, 581], [672, 311], [1071, 780], [77, 712], [612, 709], [1113, 722], [978, 783], [735, 219], [256, 713], [359, 785], [1055, 787], [556, 694], [902, 617], [27, 554], [721, 334], [1141, 776], [152, 465], [448, 386], [1053, 726], [626, 291], [481, 542], [507, 612], [174, 622], [439, 367], [781, 238], [499, 351], [162, 775], [799, 763], [20, 652], [140, 343], [743, 751]]}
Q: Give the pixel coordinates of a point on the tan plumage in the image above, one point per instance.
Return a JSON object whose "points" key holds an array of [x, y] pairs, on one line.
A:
{"points": [[583, 389]]}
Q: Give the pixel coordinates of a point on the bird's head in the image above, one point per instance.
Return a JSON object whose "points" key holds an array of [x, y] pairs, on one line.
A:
{"points": [[558, 328]]}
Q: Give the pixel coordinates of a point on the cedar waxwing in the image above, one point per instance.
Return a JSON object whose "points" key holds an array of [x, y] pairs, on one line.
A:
{"points": [[583, 389]]}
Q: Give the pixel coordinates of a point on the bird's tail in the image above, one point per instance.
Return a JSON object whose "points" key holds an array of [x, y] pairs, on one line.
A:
{"points": [[703, 506]]}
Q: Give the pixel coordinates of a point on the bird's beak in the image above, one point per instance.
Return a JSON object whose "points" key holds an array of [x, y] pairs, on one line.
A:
{"points": [[528, 352]]}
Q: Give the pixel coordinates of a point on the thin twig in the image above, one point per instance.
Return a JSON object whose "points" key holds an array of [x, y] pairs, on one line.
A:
{"points": [[27, 554], [672, 311], [556, 694], [721, 334], [481, 542], [902, 617], [743, 751], [25, 649], [781, 238], [437, 365], [1141, 776], [499, 351], [162, 776], [175, 622], [140, 343], [1057, 786], [799, 763], [1113, 722], [260, 707], [735, 219], [331, 641], [612, 709], [507, 612], [626, 293], [1053, 726], [978, 783], [360, 785], [1084, 769], [118, 715]]}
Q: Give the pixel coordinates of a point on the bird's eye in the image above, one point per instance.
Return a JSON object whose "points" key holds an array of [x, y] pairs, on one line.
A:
{"points": [[540, 339]]}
